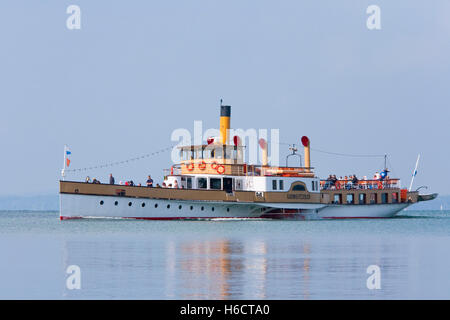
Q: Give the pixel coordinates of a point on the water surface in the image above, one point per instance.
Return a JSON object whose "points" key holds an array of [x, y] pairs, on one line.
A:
{"points": [[128, 259]]}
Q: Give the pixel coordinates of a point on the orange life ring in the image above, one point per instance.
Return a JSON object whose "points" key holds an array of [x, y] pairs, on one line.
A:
{"points": [[220, 169], [380, 185], [214, 165], [202, 165], [190, 166]]}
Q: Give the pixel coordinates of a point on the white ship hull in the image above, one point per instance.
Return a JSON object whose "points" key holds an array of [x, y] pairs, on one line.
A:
{"points": [[74, 206]]}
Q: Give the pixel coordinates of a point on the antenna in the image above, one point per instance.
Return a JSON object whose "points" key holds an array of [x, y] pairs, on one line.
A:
{"points": [[294, 150]]}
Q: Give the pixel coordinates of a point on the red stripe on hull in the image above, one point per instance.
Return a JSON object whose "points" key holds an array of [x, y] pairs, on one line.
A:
{"points": [[162, 218], [355, 217]]}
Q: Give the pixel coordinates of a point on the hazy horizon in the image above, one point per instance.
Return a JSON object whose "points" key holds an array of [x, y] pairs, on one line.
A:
{"points": [[119, 86]]}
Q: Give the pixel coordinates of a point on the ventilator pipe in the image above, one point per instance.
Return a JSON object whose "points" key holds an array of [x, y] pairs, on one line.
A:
{"points": [[263, 145], [306, 145]]}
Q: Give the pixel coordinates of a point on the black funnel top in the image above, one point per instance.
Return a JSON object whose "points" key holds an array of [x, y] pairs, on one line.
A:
{"points": [[225, 111]]}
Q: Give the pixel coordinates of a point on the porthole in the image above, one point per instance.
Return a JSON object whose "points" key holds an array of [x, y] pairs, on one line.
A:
{"points": [[212, 209], [143, 204], [101, 202], [202, 208], [168, 206], [116, 203], [192, 208], [228, 209], [179, 207], [129, 204], [156, 205]]}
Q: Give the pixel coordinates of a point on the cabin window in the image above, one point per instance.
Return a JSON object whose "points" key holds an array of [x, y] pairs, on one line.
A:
{"points": [[281, 185], [202, 183], [313, 186], [384, 198], [337, 198], [350, 198], [274, 184], [395, 197], [299, 187], [373, 198], [238, 184], [215, 183], [362, 198]]}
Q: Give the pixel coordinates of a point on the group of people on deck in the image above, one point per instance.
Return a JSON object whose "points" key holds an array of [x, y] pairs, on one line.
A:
{"points": [[352, 182], [148, 183]]}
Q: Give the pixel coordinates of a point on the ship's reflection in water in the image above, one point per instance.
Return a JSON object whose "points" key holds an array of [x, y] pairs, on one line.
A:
{"points": [[234, 268]]}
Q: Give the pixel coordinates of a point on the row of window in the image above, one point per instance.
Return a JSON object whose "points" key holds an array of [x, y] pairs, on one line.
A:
{"points": [[202, 208], [280, 184], [373, 198]]}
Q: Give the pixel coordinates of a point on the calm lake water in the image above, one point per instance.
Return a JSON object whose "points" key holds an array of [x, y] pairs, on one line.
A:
{"points": [[124, 259]]}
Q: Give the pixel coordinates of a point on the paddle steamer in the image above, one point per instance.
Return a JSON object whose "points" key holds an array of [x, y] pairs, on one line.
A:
{"points": [[214, 183]]}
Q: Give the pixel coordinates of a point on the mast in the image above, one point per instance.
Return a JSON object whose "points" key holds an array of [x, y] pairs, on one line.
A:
{"points": [[63, 171], [414, 172]]}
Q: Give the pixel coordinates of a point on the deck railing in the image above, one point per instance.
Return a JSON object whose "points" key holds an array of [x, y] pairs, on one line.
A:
{"points": [[361, 184]]}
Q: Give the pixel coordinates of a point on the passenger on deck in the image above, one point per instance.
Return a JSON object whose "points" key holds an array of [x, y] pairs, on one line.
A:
{"points": [[355, 180], [164, 185], [149, 181], [175, 184], [131, 183], [328, 182], [111, 179], [333, 180], [88, 180]]}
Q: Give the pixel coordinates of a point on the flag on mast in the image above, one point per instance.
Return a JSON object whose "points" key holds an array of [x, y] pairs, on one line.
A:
{"points": [[67, 159]]}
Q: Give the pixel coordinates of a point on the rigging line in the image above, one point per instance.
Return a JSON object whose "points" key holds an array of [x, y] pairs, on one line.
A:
{"points": [[121, 162], [350, 155], [336, 153]]}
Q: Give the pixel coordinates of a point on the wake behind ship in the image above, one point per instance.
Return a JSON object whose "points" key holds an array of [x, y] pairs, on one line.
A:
{"points": [[212, 181]]}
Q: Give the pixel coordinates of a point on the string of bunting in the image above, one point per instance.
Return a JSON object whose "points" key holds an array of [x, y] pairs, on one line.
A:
{"points": [[121, 162]]}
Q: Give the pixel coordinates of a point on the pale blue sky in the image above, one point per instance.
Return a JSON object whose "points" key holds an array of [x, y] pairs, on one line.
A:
{"points": [[137, 70]]}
